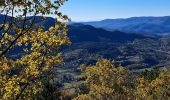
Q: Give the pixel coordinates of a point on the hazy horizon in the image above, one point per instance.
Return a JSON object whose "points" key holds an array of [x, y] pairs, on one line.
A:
{"points": [[121, 18]]}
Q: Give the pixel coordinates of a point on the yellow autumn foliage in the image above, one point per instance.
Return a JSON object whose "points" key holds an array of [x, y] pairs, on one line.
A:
{"points": [[21, 73], [108, 82]]}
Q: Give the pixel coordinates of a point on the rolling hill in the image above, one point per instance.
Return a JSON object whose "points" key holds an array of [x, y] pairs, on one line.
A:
{"points": [[86, 33], [154, 25]]}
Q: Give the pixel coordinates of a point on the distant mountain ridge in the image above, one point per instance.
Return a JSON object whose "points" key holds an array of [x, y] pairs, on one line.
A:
{"points": [[85, 33], [154, 25]]}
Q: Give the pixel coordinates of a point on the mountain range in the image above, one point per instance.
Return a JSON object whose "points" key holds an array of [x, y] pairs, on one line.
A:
{"points": [[133, 50], [152, 25]]}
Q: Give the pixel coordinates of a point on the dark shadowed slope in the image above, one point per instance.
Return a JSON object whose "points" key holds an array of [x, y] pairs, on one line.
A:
{"points": [[86, 33]]}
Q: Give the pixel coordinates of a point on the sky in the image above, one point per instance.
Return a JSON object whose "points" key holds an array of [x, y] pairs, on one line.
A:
{"points": [[94, 10]]}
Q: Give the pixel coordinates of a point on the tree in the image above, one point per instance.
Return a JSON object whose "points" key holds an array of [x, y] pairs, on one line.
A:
{"points": [[151, 74], [156, 89], [107, 82], [21, 74]]}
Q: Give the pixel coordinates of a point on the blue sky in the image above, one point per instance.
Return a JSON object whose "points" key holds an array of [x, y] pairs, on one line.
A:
{"points": [[93, 10]]}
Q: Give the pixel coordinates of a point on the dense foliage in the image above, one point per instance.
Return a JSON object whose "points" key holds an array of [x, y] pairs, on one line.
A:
{"points": [[22, 75], [108, 82]]}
